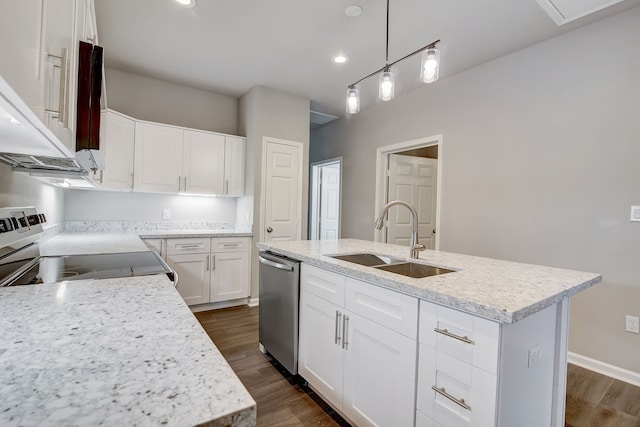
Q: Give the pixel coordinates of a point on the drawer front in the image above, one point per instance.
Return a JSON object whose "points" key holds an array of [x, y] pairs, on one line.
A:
{"points": [[423, 421], [388, 308], [197, 245], [323, 283], [470, 339], [466, 395], [230, 244]]}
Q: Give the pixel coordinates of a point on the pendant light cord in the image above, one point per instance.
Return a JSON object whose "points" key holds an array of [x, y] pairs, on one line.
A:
{"points": [[386, 58]]}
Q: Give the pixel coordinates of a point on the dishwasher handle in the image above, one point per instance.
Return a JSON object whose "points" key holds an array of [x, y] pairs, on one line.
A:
{"points": [[273, 264]]}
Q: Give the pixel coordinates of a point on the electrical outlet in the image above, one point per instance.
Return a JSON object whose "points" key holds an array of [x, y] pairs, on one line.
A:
{"points": [[535, 355], [166, 213], [632, 324]]}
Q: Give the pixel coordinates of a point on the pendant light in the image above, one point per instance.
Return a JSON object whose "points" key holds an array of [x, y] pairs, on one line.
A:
{"points": [[429, 73], [353, 100]]}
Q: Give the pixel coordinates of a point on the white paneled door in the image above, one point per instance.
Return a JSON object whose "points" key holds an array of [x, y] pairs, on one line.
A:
{"points": [[413, 180], [282, 191], [330, 201]]}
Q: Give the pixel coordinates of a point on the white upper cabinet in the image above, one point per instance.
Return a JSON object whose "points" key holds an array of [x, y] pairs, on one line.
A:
{"points": [[234, 149], [60, 75], [39, 44], [158, 158], [171, 159], [20, 33], [203, 163], [117, 147]]}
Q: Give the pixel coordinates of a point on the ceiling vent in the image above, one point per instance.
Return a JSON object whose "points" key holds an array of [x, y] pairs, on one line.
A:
{"points": [[318, 119], [563, 11]]}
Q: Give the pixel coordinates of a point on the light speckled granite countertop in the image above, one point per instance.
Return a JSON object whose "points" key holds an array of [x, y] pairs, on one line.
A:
{"points": [[114, 352], [498, 290], [79, 243]]}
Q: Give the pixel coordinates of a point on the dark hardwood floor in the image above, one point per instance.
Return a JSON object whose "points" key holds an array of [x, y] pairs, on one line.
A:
{"points": [[593, 400]]}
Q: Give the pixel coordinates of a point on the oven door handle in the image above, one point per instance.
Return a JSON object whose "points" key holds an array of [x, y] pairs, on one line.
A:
{"points": [[19, 272]]}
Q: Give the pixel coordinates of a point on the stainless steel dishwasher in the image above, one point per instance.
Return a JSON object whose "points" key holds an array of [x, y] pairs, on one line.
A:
{"points": [[278, 310]]}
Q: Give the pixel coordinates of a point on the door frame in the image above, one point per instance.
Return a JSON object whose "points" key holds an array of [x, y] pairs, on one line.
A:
{"points": [[382, 164], [315, 201], [263, 186]]}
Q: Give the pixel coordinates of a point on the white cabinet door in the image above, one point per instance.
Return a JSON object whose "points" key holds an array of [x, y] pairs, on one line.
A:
{"points": [[20, 33], [203, 163], [321, 357], [234, 166], [59, 56], [229, 276], [158, 158], [193, 276], [379, 374], [117, 147]]}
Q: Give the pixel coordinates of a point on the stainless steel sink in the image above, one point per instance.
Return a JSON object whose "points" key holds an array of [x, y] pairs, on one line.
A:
{"points": [[412, 269], [369, 260]]}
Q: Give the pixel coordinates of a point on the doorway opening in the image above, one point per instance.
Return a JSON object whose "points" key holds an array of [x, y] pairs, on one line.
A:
{"points": [[410, 171], [326, 196]]}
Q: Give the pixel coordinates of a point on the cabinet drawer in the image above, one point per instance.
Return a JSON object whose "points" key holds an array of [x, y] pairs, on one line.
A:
{"points": [[466, 397], [230, 244], [471, 339], [188, 246], [323, 283], [391, 309], [423, 421]]}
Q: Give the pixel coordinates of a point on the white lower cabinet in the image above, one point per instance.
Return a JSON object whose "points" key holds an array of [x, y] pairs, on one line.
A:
{"points": [[210, 269], [362, 367], [193, 276], [229, 276]]}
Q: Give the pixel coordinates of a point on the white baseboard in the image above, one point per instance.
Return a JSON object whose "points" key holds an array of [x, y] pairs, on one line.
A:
{"points": [[605, 368], [253, 302], [216, 305]]}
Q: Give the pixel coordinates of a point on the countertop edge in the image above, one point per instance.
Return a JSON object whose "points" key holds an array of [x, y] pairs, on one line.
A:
{"points": [[477, 309]]}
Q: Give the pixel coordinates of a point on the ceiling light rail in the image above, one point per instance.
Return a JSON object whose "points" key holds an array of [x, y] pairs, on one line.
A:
{"points": [[429, 73]]}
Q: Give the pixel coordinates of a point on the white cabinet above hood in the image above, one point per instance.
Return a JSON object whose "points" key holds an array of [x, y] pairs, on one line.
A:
{"points": [[22, 132]]}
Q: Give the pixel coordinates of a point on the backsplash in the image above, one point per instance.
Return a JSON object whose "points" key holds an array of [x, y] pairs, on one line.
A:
{"points": [[144, 226]]}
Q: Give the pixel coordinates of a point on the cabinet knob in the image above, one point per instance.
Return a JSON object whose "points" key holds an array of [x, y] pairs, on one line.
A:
{"points": [[269, 229]]}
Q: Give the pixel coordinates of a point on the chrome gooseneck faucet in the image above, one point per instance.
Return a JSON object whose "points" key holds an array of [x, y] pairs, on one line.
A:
{"points": [[415, 247]]}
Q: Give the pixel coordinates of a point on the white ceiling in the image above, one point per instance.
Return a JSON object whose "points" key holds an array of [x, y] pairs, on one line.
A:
{"points": [[228, 46]]}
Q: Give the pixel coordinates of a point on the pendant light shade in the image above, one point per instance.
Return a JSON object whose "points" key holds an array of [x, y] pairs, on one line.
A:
{"points": [[353, 100], [387, 86], [430, 67]]}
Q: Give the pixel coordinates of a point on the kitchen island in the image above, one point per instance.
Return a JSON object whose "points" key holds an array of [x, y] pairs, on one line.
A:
{"points": [[114, 351], [489, 338]]}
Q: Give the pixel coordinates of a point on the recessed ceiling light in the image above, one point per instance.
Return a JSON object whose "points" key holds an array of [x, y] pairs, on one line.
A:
{"points": [[353, 11], [340, 59], [186, 3]]}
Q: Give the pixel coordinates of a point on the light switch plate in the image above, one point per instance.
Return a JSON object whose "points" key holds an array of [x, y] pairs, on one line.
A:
{"points": [[635, 213], [166, 213]]}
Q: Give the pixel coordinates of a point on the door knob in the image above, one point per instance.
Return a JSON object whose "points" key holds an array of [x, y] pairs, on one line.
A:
{"points": [[434, 231], [269, 229]]}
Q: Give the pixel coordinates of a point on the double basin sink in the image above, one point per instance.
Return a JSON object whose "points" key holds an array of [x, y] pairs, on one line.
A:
{"points": [[393, 265]]}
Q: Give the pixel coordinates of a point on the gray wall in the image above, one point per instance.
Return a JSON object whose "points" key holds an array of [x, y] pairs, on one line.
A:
{"points": [[21, 190], [268, 112], [154, 100], [91, 205], [540, 152]]}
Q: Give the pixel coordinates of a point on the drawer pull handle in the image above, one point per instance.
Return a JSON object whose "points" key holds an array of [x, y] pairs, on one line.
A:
{"points": [[337, 337], [464, 339], [443, 392], [230, 245], [196, 246]]}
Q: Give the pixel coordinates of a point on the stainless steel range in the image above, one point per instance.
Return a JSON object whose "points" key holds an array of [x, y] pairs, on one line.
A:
{"points": [[21, 263]]}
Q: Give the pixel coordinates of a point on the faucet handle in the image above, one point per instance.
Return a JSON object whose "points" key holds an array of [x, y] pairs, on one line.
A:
{"points": [[419, 247]]}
